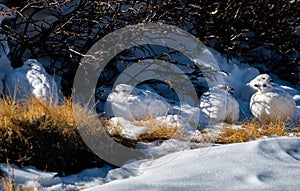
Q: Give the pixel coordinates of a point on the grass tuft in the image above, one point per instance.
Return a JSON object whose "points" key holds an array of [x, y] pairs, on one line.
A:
{"points": [[35, 133], [252, 130], [12, 115], [159, 130]]}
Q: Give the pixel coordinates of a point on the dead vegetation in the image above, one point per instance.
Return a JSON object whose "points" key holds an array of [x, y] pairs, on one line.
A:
{"points": [[36, 133], [253, 130], [232, 133], [159, 130]]}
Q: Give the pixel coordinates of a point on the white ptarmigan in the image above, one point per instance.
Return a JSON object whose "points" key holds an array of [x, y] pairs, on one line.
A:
{"points": [[31, 80], [219, 105], [269, 104], [249, 89], [133, 103]]}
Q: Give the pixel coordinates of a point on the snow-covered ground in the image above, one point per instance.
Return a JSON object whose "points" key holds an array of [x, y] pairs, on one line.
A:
{"points": [[270, 164]]}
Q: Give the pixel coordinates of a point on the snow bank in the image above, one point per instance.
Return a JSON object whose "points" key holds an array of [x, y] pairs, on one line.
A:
{"points": [[271, 164], [49, 181]]}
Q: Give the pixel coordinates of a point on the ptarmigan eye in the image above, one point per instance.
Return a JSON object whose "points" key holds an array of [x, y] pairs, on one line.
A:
{"points": [[264, 85]]}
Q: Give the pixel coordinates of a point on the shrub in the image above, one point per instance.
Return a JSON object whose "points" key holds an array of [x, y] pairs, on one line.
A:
{"points": [[260, 32]]}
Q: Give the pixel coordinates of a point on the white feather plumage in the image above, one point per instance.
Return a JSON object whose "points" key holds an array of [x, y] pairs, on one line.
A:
{"points": [[133, 103], [31, 80], [219, 105], [270, 104]]}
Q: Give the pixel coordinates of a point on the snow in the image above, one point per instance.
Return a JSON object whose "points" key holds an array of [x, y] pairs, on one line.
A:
{"points": [[158, 149], [192, 115], [235, 75], [269, 164], [30, 176], [260, 165], [127, 129]]}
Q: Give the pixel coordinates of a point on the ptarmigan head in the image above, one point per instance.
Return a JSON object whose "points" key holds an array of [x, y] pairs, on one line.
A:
{"points": [[250, 89], [260, 78], [33, 64], [222, 89], [125, 88], [263, 87]]}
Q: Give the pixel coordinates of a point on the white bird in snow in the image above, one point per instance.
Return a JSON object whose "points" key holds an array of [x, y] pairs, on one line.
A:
{"points": [[249, 88], [269, 104], [133, 103], [31, 80], [219, 105]]}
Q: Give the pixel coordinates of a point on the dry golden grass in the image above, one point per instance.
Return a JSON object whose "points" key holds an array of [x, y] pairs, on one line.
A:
{"points": [[159, 130], [13, 116], [252, 130], [33, 132], [32, 110], [247, 131]]}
